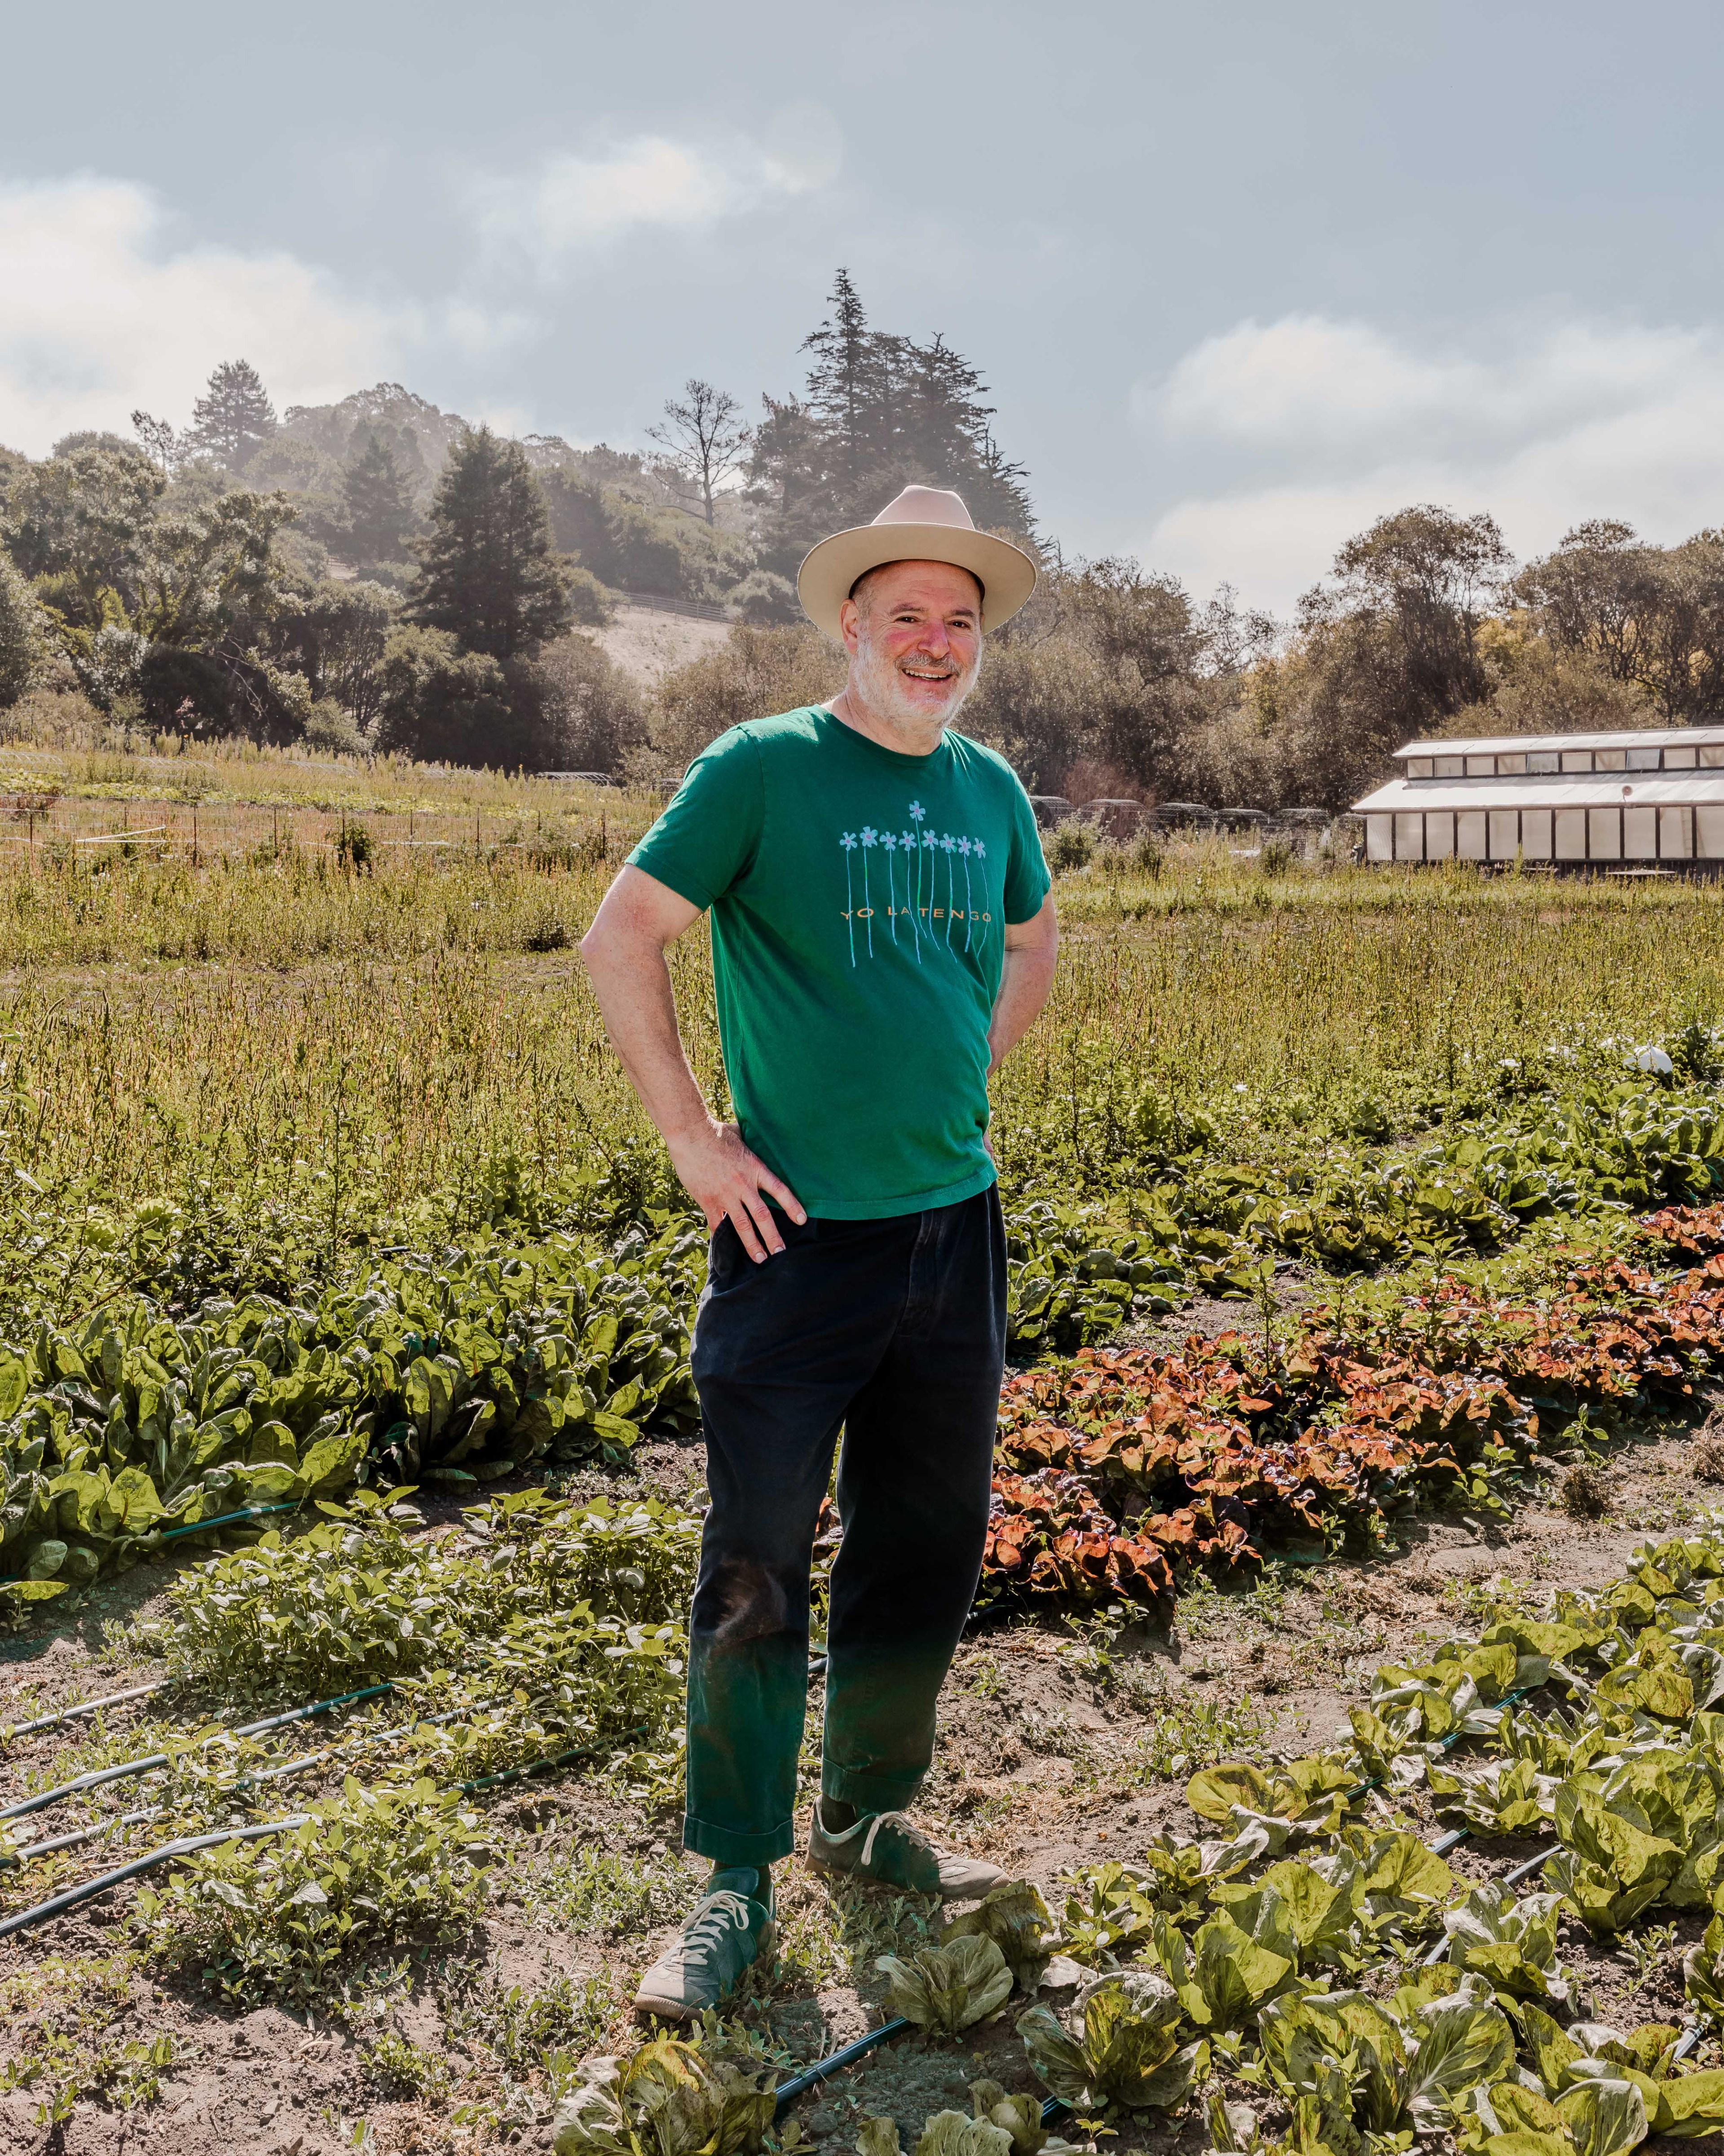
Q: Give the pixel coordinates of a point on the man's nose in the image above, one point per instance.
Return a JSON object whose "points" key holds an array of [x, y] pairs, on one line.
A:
{"points": [[935, 641]]}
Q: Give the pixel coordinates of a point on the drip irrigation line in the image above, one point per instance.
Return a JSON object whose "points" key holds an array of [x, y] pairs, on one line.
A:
{"points": [[228, 1519], [1688, 2041], [541, 1766], [35, 1848], [74, 1896], [21, 1857], [1532, 1864], [85, 1707], [189, 1844], [1447, 1744], [100, 1776], [1512, 1878], [192, 1527], [1053, 2107], [834, 2062]]}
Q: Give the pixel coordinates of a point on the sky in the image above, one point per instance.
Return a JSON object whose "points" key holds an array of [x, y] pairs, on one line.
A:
{"points": [[1242, 277]]}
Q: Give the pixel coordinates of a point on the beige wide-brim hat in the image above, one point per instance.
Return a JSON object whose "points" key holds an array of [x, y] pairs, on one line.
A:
{"points": [[924, 524]]}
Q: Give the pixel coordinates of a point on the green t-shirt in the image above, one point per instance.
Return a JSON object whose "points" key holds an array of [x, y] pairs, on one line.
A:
{"points": [[858, 901]]}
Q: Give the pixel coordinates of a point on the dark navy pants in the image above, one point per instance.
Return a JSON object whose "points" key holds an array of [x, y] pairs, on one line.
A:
{"points": [[893, 1331]]}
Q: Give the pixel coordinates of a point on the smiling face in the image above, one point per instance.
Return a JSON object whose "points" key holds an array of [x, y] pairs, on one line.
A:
{"points": [[913, 630]]}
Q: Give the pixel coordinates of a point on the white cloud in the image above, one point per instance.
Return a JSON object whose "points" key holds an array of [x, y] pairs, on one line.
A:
{"points": [[1314, 427], [568, 203], [102, 313]]}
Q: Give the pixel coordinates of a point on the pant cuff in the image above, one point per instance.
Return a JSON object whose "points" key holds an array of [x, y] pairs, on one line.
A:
{"points": [[726, 1845], [869, 1793]]}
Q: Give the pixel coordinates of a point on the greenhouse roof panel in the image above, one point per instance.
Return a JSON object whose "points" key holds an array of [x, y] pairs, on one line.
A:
{"points": [[1512, 744], [1602, 789]]}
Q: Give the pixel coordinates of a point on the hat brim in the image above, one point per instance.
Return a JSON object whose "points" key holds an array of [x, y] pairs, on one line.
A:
{"points": [[1005, 572]]}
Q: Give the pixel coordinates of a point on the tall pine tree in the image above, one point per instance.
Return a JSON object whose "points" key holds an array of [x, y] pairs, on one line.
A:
{"points": [[233, 416], [379, 502], [881, 412], [849, 384], [488, 571]]}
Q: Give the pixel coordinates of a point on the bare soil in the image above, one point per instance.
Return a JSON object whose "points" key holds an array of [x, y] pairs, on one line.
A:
{"points": [[1054, 1752], [648, 644]]}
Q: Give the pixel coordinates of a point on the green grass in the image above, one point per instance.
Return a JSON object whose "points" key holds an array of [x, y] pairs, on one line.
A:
{"points": [[297, 1034]]}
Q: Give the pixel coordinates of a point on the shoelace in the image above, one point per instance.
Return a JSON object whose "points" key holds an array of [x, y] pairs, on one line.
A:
{"points": [[715, 1916], [912, 1834]]}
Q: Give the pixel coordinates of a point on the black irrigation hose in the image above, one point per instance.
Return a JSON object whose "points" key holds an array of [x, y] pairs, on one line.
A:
{"points": [[85, 1707], [19, 1857], [98, 1776], [228, 1520], [192, 1527], [74, 1896], [35, 1848], [1054, 2107], [1512, 1878], [811, 2077], [1447, 1744], [541, 1766]]}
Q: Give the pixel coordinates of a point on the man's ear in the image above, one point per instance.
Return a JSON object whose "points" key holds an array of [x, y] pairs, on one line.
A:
{"points": [[850, 617]]}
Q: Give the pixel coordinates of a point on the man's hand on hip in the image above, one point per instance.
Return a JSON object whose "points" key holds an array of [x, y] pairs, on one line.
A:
{"points": [[728, 1181]]}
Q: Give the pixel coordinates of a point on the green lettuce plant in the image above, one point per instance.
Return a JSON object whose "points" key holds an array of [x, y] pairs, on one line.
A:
{"points": [[669, 2098], [947, 1987], [1126, 2049]]}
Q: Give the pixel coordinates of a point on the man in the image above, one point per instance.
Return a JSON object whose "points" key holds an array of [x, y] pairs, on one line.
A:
{"points": [[882, 936]]}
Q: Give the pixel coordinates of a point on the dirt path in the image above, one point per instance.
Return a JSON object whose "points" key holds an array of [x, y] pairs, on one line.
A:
{"points": [[648, 644]]}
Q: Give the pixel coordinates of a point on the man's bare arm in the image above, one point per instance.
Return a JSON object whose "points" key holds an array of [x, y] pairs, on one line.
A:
{"points": [[1032, 946], [623, 951]]}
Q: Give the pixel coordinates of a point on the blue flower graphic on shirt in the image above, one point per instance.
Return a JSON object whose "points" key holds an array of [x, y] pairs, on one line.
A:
{"points": [[889, 839], [912, 903], [871, 839], [922, 894], [849, 842]]}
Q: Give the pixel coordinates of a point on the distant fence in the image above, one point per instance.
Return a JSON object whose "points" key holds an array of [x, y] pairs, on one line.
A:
{"points": [[698, 608]]}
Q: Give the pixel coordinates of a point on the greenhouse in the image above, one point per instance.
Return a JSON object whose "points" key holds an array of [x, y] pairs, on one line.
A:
{"points": [[1633, 800]]}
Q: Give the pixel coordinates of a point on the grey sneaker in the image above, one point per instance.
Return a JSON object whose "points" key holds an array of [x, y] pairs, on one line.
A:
{"points": [[727, 1932], [885, 1848]]}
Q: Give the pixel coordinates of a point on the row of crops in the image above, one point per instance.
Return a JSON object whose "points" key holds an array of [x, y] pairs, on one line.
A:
{"points": [[1316, 1970], [1341, 1962], [154, 1410], [1122, 1472]]}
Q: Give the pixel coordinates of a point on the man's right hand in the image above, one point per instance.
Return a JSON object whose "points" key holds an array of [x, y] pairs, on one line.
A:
{"points": [[728, 1181]]}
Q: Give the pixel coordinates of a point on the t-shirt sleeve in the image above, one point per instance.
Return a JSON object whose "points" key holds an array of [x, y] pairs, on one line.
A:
{"points": [[710, 833], [1028, 882]]}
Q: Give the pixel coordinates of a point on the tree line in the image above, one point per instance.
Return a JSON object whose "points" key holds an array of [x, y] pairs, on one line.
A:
{"points": [[377, 575]]}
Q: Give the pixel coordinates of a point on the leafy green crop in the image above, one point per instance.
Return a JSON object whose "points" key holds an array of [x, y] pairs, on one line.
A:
{"points": [[669, 2099], [1125, 2049], [947, 1987], [278, 1918], [356, 1600]]}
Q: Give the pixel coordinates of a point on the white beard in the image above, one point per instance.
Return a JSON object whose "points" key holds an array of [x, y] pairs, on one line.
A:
{"points": [[885, 691]]}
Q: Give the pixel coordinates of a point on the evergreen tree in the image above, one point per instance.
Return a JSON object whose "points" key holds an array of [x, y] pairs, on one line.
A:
{"points": [[233, 416], [881, 412], [379, 502], [488, 572], [849, 384]]}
